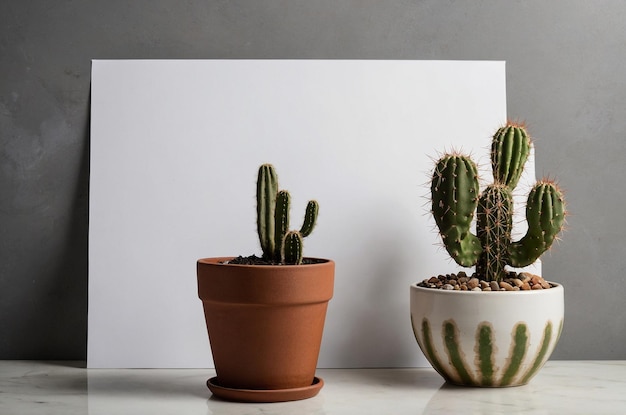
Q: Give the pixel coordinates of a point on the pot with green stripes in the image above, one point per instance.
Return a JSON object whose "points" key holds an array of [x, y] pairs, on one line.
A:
{"points": [[489, 339]]}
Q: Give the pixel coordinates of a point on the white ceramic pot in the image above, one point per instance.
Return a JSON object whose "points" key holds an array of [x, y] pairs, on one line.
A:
{"points": [[490, 339]]}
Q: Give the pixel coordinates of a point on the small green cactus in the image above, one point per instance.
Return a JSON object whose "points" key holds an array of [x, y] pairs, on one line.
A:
{"points": [[292, 248], [278, 243], [455, 198]]}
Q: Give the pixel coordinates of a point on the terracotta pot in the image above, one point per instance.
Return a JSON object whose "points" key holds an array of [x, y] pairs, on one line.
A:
{"points": [[487, 339], [265, 322]]}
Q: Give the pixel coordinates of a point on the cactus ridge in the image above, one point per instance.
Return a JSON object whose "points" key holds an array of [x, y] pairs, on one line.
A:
{"points": [[273, 220], [510, 149], [455, 197]]}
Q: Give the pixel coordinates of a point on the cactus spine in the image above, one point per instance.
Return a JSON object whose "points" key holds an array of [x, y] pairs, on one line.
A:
{"points": [[455, 197], [279, 245]]}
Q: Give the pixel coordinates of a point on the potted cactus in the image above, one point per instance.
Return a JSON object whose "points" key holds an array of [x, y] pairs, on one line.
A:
{"points": [[265, 316], [498, 326]]}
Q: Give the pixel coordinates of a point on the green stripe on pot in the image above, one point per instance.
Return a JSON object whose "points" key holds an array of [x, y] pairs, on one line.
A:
{"points": [[558, 335], [451, 341], [485, 353], [428, 348], [516, 355], [543, 350]]}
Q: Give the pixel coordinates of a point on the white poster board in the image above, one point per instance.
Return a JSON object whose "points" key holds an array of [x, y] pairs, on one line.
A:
{"points": [[175, 147]]}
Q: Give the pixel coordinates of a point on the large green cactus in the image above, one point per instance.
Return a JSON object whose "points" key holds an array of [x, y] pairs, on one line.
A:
{"points": [[280, 245], [455, 197]]}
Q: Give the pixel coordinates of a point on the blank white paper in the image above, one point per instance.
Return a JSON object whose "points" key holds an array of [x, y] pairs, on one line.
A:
{"points": [[175, 147]]}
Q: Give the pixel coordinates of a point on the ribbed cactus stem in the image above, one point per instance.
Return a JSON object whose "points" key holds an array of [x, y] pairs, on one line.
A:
{"points": [[292, 248], [509, 151], [281, 222], [494, 223], [310, 218], [545, 214], [267, 189], [454, 189]]}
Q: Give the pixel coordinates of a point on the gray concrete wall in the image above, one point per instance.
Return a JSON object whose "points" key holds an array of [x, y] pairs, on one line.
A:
{"points": [[565, 73]]}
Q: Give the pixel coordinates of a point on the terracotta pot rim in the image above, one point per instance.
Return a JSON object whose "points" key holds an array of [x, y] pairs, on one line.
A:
{"points": [[219, 260], [556, 288], [264, 284]]}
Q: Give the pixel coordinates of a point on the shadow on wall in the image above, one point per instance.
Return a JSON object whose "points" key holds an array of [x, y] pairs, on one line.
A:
{"points": [[49, 274], [67, 298], [72, 276]]}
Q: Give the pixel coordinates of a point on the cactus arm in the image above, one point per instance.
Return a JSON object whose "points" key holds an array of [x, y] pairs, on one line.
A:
{"points": [[494, 223], [292, 248], [281, 221], [454, 190], [545, 214], [509, 151], [310, 218], [267, 188], [464, 249]]}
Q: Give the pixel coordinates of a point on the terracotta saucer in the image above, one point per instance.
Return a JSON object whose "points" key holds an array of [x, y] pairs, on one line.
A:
{"points": [[271, 395]]}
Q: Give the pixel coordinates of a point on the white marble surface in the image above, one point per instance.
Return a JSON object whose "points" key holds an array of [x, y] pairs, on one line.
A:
{"points": [[562, 387]]}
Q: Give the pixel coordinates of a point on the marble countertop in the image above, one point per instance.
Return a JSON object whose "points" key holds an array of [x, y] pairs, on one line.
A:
{"points": [[561, 387]]}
